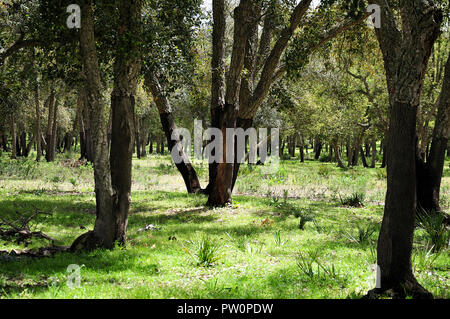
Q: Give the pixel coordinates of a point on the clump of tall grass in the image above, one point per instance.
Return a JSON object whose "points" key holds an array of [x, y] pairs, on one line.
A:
{"points": [[311, 266], [433, 223], [356, 199], [205, 252], [363, 235]]}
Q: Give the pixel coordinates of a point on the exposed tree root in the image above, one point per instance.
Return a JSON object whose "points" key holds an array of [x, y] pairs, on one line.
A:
{"points": [[86, 242], [409, 288]]}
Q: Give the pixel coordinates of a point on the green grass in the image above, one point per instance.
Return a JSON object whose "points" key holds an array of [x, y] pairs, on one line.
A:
{"points": [[254, 249]]}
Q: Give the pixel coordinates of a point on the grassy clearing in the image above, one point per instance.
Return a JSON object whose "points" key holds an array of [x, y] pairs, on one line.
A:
{"points": [[255, 249]]}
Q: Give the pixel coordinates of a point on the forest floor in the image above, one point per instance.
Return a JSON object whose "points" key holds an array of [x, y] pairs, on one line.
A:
{"points": [[254, 249]]}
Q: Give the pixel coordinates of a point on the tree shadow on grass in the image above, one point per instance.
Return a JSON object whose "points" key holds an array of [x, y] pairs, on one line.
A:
{"points": [[98, 266]]}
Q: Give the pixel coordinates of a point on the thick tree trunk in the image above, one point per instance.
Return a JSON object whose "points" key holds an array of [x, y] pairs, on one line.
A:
{"points": [[302, 150], [396, 235], [104, 233], [127, 67], [218, 78], [220, 192], [4, 142], [405, 54]]}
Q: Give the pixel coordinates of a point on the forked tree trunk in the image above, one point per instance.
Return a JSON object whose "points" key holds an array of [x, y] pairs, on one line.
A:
{"points": [[220, 193]]}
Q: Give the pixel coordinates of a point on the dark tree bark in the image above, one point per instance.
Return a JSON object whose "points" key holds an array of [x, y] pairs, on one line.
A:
{"points": [[168, 123], [51, 147], [137, 137], [38, 124], [384, 148], [49, 154], [302, 150], [363, 158], [104, 233], [317, 148], [429, 174], [127, 67], [218, 77], [405, 53], [220, 194], [374, 153], [13, 138]]}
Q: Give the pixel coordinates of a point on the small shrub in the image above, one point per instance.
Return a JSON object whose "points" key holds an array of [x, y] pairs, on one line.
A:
{"points": [[205, 252], [382, 174], [356, 199], [324, 171], [303, 220], [311, 266], [324, 158], [305, 216], [305, 263], [56, 179], [424, 258], [434, 225], [364, 234]]}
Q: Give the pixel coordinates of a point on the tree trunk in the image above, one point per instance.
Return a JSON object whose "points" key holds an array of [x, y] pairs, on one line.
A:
{"points": [[127, 67], [363, 158], [218, 78], [53, 136], [302, 150], [38, 125], [51, 104], [405, 53], [13, 138], [104, 234], [137, 137], [220, 194], [168, 123], [374, 153], [337, 153], [429, 174], [317, 148]]}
